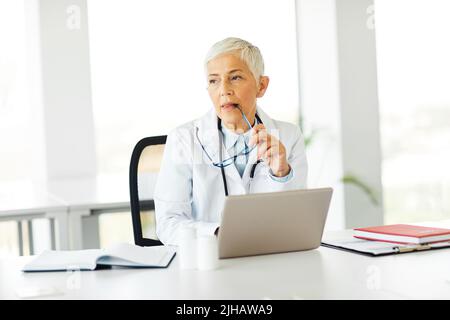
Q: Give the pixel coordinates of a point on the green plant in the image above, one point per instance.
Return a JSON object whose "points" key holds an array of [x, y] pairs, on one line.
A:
{"points": [[353, 180]]}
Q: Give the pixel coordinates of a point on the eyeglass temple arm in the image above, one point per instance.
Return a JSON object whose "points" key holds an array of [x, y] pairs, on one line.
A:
{"points": [[198, 139], [245, 118]]}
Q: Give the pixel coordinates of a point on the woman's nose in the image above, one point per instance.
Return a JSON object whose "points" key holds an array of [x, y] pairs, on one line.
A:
{"points": [[225, 89]]}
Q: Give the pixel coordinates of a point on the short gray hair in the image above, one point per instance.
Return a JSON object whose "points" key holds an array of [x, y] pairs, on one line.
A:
{"points": [[249, 53]]}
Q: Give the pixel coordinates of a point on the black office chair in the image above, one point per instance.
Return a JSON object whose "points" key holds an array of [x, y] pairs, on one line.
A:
{"points": [[144, 166]]}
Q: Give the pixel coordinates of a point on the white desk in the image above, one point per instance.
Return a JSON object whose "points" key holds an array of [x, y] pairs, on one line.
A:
{"points": [[318, 274]]}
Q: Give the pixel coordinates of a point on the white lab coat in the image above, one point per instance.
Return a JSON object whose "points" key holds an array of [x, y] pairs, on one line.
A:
{"points": [[190, 190]]}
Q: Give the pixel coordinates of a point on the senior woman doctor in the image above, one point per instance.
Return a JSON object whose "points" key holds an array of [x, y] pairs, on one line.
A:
{"points": [[236, 148]]}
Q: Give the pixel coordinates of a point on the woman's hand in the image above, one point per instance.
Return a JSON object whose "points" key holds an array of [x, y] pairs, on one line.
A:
{"points": [[271, 150]]}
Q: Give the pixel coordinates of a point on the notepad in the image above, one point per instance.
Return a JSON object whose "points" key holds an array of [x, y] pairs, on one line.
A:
{"points": [[377, 248], [123, 255]]}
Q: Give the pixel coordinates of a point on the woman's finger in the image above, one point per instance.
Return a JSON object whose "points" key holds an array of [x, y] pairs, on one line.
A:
{"points": [[267, 156], [258, 136], [255, 130], [258, 127], [262, 148], [253, 140], [272, 159]]}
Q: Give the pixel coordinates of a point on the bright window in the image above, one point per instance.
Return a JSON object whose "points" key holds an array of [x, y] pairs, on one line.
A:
{"points": [[14, 110], [14, 107], [413, 53]]}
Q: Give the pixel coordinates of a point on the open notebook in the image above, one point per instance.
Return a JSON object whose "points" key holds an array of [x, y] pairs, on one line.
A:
{"points": [[124, 255]]}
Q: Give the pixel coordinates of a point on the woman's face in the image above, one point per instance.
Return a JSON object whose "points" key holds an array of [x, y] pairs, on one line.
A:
{"points": [[232, 84]]}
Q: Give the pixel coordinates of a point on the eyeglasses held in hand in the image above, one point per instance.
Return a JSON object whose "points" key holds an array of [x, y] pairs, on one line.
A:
{"points": [[230, 160]]}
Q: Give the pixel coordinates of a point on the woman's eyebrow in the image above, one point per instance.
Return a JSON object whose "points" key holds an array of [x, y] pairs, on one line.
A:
{"points": [[229, 72], [234, 70]]}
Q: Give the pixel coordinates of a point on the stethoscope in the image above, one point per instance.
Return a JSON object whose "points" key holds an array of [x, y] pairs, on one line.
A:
{"points": [[224, 179]]}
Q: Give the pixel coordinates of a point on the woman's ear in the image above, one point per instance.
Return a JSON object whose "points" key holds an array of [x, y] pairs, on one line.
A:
{"points": [[263, 84]]}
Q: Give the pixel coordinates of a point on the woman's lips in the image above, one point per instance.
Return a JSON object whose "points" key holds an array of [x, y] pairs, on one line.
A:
{"points": [[229, 106]]}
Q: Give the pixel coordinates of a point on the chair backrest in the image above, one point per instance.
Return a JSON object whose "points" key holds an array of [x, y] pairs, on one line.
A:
{"points": [[144, 167]]}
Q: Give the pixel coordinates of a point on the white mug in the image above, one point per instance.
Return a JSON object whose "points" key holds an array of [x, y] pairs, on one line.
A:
{"points": [[187, 249], [207, 253]]}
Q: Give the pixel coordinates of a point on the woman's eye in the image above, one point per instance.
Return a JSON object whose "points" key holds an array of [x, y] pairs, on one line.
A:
{"points": [[212, 81], [236, 77]]}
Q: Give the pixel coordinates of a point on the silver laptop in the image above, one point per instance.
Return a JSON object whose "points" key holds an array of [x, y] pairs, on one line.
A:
{"points": [[273, 222]]}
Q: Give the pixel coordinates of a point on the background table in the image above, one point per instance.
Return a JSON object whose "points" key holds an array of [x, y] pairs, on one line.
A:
{"points": [[68, 201], [23, 201]]}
